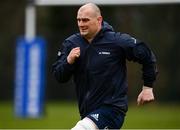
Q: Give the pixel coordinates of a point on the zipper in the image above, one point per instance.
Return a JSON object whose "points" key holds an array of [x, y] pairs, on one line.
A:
{"points": [[87, 62]]}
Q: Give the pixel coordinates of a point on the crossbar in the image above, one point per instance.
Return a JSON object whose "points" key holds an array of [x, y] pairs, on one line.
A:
{"points": [[102, 2]]}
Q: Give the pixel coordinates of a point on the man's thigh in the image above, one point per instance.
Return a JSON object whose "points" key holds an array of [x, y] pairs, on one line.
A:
{"points": [[85, 124]]}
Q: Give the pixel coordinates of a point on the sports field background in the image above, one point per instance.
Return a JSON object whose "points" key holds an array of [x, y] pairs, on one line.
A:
{"points": [[63, 115], [157, 25]]}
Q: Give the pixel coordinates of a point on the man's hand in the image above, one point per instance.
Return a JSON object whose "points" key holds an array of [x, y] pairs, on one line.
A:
{"points": [[75, 53], [145, 96]]}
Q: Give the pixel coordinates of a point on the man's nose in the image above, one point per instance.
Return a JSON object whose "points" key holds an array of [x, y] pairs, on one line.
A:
{"points": [[80, 22]]}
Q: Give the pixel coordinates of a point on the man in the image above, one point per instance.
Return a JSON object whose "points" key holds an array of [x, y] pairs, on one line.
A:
{"points": [[96, 58]]}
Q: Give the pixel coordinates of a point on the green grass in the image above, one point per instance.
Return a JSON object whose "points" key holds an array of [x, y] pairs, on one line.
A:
{"points": [[64, 115], [153, 116]]}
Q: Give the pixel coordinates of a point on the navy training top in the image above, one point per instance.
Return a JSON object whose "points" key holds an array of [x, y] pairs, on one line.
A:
{"points": [[100, 73]]}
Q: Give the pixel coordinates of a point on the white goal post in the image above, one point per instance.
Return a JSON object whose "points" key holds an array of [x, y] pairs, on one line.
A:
{"points": [[30, 18]]}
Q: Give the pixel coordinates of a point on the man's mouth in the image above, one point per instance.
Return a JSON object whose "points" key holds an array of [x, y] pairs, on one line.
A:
{"points": [[83, 29]]}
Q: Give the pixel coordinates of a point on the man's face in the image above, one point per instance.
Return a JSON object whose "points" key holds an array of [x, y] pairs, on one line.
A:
{"points": [[88, 23]]}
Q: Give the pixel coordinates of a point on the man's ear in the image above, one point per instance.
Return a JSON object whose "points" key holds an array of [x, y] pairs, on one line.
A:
{"points": [[100, 19]]}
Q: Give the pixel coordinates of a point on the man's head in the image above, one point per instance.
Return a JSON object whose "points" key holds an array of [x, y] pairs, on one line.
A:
{"points": [[89, 20]]}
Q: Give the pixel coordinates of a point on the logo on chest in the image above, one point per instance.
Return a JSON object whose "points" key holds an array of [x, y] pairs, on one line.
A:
{"points": [[104, 53]]}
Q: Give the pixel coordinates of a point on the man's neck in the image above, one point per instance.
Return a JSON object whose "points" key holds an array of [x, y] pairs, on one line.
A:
{"points": [[90, 39]]}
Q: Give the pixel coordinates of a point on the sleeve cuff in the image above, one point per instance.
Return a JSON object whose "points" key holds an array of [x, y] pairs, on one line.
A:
{"points": [[68, 66], [148, 84]]}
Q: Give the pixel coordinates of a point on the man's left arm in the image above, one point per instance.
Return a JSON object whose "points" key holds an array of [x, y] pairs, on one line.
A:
{"points": [[145, 56], [138, 51]]}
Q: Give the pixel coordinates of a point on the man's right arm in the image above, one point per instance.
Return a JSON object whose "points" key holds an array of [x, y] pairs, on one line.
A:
{"points": [[73, 55], [61, 69]]}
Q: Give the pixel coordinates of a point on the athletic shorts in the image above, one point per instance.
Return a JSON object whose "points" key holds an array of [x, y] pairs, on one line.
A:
{"points": [[107, 117]]}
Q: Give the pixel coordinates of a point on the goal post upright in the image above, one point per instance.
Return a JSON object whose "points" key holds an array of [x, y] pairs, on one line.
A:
{"points": [[30, 20]]}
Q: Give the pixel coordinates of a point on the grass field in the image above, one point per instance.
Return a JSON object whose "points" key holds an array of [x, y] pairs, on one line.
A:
{"points": [[64, 115]]}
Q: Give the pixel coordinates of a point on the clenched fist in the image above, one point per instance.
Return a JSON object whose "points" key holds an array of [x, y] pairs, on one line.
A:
{"points": [[145, 96], [75, 53]]}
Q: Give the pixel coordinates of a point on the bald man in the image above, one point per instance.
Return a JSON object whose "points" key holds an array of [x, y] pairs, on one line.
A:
{"points": [[96, 58]]}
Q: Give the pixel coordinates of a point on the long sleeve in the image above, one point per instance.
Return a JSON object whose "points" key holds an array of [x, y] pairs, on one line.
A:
{"points": [[61, 69], [146, 57], [138, 51]]}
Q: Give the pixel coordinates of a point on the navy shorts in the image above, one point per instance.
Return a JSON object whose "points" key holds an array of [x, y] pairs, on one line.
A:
{"points": [[107, 117]]}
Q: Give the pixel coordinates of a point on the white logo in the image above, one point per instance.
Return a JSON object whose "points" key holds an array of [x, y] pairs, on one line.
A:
{"points": [[104, 53], [59, 53], [106, 128], [95, 116], [134, 39]]}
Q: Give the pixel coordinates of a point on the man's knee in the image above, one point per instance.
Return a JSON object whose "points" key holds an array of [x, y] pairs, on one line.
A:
{"points": [[85, 124]]}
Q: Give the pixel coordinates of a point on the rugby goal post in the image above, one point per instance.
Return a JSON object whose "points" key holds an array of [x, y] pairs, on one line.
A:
{"points": [[30, 21]]}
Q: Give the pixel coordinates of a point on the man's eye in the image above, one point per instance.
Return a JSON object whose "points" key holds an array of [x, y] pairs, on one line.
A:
{"points": [[85, 20], [78, 20]]}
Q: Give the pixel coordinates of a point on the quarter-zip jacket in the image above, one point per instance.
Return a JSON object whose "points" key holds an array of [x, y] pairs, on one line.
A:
{"points": [[100, 73]]}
